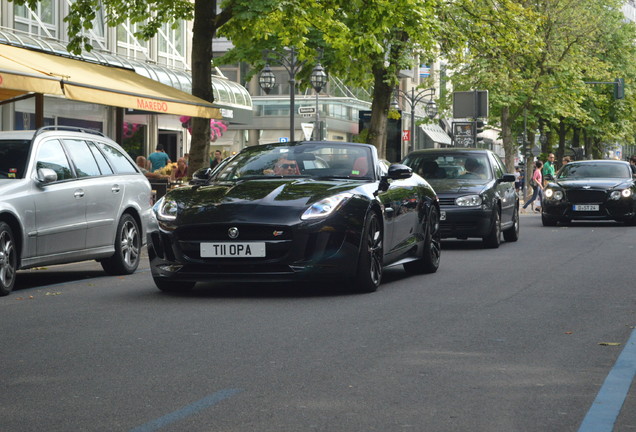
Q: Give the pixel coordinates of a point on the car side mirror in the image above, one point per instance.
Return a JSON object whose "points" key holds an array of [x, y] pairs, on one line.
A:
{"points": [[46, 176], [399, 172], [507, 178], [396, 172], [201, 176]]}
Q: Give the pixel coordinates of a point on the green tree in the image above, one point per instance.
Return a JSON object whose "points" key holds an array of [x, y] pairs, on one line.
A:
{"points": [[365, 43]]}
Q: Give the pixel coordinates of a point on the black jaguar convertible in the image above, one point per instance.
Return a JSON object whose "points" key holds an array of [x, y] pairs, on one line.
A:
{"points": [[591, 190], [292, 212]]}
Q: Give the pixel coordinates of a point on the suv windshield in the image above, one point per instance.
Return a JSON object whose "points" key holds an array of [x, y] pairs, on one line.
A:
{"points": [[575, 170], [314, 160], [13, 158]]}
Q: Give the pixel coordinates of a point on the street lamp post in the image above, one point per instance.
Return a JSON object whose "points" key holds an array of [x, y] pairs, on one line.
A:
{"points": [[413, 99], [267, 79], [318, 81]]}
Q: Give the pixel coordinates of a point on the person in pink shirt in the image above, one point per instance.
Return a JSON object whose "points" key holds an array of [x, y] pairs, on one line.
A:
{"points": [[537, 184]]}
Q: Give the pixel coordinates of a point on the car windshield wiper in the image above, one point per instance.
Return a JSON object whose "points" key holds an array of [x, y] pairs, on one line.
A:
{"points": [[341, 177]]}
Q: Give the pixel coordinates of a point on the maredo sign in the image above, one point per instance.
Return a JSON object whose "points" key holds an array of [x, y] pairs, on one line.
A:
{"points": [[152, 105]]}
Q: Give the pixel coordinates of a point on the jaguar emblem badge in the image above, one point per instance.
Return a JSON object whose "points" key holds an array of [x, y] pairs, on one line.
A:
{"points": [[233, 232]]}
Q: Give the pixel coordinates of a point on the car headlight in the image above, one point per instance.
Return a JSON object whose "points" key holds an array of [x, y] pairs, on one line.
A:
{"points": [[165, 209], [326, 206], [556, 195], [469, 201], [617, 194]]}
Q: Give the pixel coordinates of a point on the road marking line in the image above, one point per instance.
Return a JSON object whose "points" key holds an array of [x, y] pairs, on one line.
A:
{"points": [[186, 411], [610, 398]]}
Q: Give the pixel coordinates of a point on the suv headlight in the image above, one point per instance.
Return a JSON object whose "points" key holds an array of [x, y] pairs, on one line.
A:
{"points": [[469, 201], [165, 209], [326, 206]]}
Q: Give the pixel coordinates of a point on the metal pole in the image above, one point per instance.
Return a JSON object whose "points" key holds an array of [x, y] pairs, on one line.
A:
{"points": [[292, 92], [317, 125], [412, 140]]}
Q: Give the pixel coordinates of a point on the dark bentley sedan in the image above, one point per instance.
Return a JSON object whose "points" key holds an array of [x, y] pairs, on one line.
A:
{"points": [[292, 212], [591, 190], [477, 198]]}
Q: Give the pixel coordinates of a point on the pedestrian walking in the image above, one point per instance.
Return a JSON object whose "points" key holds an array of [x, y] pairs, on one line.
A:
{"points": [[548, 170], [537, 184], [632, 164]]}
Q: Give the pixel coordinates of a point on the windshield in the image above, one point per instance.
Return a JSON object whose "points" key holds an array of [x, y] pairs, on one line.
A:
{"points": [[13, 158], [313, 160], [575, 170], [435, 166]]}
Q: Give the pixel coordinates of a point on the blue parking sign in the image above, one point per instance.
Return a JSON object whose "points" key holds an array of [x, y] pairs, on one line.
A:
{"points": [[283, 139]]}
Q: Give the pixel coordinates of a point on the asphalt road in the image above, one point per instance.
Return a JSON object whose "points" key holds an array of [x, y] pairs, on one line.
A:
{"points": [[521, 338]]}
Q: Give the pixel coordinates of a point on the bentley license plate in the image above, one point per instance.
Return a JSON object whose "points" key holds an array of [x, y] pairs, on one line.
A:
{"points": [[442, 215], [233, 250], [585, 207]]}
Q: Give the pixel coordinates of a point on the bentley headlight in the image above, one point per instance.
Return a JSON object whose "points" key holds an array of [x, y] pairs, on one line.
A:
{"points": [[469, 201], [617, 194], [165, 209], [556, 195], [326, 206], [626, 193]]}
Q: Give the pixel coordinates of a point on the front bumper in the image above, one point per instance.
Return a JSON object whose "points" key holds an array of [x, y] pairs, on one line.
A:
{"points": [[464, 222], [619, 210], [304, 252]]}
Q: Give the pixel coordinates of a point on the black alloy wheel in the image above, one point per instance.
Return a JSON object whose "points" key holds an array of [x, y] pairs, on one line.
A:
{"points": [[8, 259], [127, 254], [432, 250], [493, 239], [369, 273], [512, 233]]}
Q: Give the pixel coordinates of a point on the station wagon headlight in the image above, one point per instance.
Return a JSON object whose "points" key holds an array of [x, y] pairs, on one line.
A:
{"points": [[469, 201], [326, 206], [556, 195], [166, 209]]}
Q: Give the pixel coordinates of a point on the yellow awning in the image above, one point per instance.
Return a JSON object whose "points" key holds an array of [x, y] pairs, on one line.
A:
{"points": [[106, 85], [16, 80]]}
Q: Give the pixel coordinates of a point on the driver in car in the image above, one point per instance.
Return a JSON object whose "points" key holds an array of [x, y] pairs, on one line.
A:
{"points": [[284, 167]]}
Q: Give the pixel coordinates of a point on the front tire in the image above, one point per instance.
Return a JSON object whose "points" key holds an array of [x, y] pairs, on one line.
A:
{"points": [[8, 259], [493, 239], [512, 233], [429, 263], [369, 273], [548, 221], [127, 254]]}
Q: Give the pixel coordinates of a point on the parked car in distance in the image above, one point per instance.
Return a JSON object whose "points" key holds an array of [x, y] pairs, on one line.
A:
{"points": [[477, 197], [69, 194], [591, 190], [298, 211]]}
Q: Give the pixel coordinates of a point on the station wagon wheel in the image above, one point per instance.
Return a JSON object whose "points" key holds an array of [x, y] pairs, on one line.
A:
{"points": [[8, 259], [126, 258], [432, 249], [493, 239], [370, 261]]}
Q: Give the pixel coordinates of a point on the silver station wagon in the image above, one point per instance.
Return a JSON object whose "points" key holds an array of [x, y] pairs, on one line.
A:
{"points": [[69, 194]]}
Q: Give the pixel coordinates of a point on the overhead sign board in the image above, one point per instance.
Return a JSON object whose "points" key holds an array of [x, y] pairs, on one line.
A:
{"points": [[307, 110], [470, 104]]}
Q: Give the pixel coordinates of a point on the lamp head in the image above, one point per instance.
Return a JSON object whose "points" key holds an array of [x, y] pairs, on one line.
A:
{"points": [[267, 79]]}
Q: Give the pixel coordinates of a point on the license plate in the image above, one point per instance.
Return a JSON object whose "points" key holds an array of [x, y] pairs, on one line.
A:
{"points": [[442, 215], [233, 250], [585, 207]]}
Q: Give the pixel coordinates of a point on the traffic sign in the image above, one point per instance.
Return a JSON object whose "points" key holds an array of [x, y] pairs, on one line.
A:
{"points": [[307, 110], [406, 135], [283, 139], [308, 128]]}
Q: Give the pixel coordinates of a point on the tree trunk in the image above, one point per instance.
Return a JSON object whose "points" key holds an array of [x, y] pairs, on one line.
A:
{"points": [[510, 147], [379, 111], [203, 31]]}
